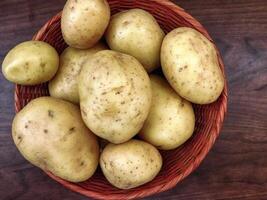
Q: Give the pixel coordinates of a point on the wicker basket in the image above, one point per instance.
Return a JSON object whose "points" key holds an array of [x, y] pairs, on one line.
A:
{"points": [[178, 163]]}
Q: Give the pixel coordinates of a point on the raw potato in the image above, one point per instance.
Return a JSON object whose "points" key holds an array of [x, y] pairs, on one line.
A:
{"points": [[31, 63], [51, 135], [84, 22], [65, 83], [130, 164], [115, 95], [190, 63], [171, 119], [137, 33]]}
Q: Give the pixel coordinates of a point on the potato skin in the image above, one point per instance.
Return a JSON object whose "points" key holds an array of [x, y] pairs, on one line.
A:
{"points": [[130, 164], [190, 63], [31, 63], [84, 22], [137, 33], [65, 84], [51, 135], [171, 120], [115, 95]]}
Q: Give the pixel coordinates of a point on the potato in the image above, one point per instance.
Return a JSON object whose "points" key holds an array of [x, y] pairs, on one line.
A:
{"points": [[137, 33], [51, 135], [115, 95], [171, 119], [84, 22], [190, 63], [130, 164], [65, 83], [30, 63]]}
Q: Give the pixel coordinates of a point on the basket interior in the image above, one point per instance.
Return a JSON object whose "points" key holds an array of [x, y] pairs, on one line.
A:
{"points": [[177, 163]]}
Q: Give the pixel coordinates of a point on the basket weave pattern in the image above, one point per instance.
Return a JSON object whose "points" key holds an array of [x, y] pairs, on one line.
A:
{"points": [[178, 163]]}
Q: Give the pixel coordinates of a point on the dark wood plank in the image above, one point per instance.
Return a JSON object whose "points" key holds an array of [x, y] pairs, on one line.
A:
{"points": [[236, 168]]}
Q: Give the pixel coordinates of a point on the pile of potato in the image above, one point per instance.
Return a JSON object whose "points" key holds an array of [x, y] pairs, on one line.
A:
{"points": [[101, 97]]}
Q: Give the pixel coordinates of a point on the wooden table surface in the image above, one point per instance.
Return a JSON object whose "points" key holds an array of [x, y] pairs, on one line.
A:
{"points": [[236, 168]]}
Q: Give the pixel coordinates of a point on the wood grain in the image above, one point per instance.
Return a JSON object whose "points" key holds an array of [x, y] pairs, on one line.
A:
{"points": [[236, 168]]}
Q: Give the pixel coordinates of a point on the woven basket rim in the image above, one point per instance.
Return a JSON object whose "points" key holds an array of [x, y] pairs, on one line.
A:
{"points": [[195, 163]]}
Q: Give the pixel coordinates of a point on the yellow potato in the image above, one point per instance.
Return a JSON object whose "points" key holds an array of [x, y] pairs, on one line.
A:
{"points": [[130, 164], [190, 63], [30, 63], [115, 95], [51, 135], [65, 84], [84, 22], [137, 33], [171, 119]]}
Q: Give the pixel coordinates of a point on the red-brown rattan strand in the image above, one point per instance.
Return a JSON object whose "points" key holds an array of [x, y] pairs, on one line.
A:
{"points": [[178, 163]]}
